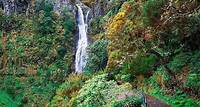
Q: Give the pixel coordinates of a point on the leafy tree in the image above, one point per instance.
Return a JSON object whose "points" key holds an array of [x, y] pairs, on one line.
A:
{"points": [[10, 23], [97, 56], [69, 25], [46, 24], [152, 11]]}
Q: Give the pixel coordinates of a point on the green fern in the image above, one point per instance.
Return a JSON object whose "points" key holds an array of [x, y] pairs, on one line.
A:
{"points": [[6, 100]]}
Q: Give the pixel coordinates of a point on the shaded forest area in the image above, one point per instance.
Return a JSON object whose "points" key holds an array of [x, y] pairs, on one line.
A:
{"points": [[138, 47]]}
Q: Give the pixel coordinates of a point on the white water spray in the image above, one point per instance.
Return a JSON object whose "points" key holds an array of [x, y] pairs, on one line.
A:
{"points": [[81, 54]]}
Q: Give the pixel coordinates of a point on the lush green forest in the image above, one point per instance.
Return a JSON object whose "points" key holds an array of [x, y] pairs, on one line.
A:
{"points": [[138, 48]]}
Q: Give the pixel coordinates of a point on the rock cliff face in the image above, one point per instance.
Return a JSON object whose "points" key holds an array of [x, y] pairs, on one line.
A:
{"points": [[97, 7], [11, 6], [22, 6], [59, 5]]}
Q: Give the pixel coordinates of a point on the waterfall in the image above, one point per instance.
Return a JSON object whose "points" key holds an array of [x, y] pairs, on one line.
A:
{"points": [[81, 54], [86, 20]]}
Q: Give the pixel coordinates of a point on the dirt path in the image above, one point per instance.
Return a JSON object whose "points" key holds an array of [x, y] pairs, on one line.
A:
{"points": [[154, 102]]}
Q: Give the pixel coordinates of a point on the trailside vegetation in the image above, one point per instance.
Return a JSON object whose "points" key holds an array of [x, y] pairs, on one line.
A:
{"points": [[138, 48]]}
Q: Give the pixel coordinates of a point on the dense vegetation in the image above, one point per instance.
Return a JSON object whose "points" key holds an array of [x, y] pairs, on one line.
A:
{"points": [[138, 46]]}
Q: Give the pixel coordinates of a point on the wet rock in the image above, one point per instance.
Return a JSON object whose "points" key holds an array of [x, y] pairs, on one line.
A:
{"points": [[11, 6]]}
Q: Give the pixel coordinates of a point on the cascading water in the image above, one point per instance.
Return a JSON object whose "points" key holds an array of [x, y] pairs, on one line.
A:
{"points": [[81, 54]]}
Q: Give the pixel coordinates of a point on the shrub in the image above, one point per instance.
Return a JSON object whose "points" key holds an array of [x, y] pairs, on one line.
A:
{"points": [[67, 90], [193, 80], [10, 23], [96, 25], [114, 7], [152, 10], [128, 102], [179, 61], [69, 23], [46, 20], [160, 78], [192, 41], [97, 56], [140, 65], [100, 92]]}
